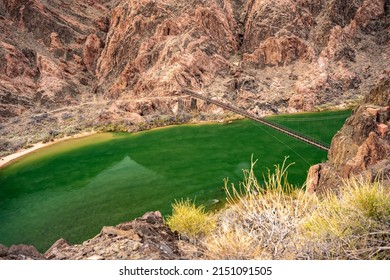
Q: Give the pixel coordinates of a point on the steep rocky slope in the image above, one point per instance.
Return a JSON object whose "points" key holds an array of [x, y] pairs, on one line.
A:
{"points": [[49, 51], [69, 65], [361, 147]]}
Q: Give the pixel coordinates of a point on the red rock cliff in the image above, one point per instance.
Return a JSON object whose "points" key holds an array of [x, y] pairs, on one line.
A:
{"points": [[133, 56]]}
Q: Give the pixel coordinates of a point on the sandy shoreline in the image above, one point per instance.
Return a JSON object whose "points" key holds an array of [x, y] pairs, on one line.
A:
{"points": [[12, 157]]}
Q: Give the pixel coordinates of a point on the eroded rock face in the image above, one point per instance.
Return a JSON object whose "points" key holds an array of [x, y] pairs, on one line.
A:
{"points": [[361, 147], [293, 54], [45, 49], [153, 47]]}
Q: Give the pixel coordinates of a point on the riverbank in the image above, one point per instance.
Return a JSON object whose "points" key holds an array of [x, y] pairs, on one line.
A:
{"points": [[4, 161], [8, 159]]}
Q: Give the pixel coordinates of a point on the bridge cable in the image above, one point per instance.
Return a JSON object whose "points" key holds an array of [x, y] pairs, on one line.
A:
{"points": [[269, 133]]}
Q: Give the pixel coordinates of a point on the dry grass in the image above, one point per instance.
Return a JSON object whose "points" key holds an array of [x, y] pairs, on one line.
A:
{"points": [[352, 225], [233, 244], [267, 216]]}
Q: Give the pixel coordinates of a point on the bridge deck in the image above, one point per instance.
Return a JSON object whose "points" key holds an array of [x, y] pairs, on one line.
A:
{"points": [[278, 127]]}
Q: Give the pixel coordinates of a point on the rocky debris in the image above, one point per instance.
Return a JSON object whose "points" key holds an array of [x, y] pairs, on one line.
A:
{"points": [[20, 252], [361, 147], [143, 238]]}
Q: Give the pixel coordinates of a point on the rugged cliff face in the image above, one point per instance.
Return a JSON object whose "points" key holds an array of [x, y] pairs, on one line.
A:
{"points": [[69, 65], [48, 52], [361, 147]]}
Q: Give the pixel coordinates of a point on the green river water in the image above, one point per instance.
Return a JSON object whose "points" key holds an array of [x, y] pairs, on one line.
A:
{"points": [[73, 188]]}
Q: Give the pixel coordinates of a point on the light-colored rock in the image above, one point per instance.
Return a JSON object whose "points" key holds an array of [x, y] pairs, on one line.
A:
{"points": [[95, 258], [124, 233]]}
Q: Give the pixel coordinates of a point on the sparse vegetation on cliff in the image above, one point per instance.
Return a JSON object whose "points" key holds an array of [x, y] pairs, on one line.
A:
{"points": [[354, 224], [269, 213], [275, 220]]}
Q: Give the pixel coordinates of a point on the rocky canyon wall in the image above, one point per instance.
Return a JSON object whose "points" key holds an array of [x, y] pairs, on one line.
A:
{"points": [[48, 52], [126, 60]]}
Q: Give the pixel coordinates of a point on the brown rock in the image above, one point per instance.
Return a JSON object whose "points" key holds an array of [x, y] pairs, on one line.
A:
{"points": [[370, 9], [380, 95], [373, 111], [40, 46], [3, 251], [54, 250], [313, 178], [279, 51], [24, 252], [189, 44], [124, 233], [55, 41], [123, 242], [360, 148], [91, 51], [152, 217], [383, 129], [372, 151]]}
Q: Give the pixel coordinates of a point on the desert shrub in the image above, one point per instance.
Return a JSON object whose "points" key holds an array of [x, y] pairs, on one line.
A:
{"points": [[190, 220], [355, 224], [233, 244], [266, 215]]}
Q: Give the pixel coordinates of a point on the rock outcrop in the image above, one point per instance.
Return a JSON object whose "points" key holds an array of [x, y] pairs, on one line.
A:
{"points": [[20, 252], [361, 147], [48, 51], [144, 238]]}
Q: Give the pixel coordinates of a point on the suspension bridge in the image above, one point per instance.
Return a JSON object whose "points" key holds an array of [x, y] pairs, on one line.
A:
{"points": [[295, 134]]}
